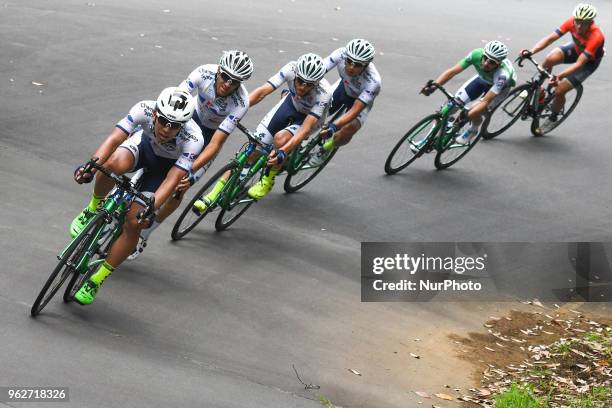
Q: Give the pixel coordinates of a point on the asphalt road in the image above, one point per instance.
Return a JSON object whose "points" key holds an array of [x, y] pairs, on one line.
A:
{"points": [[218, 319]]}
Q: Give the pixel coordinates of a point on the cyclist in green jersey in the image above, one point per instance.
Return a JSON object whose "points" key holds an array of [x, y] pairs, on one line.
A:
{"points": [[495, 76]]}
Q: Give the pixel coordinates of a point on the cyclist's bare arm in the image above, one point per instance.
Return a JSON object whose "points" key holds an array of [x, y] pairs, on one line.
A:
{"points": [[210, 151], [449, 74], [111, 143], [349, 116], [545, 42], [479, 107], [309, 123], [582, 59], [260, 93], [168, 186]]}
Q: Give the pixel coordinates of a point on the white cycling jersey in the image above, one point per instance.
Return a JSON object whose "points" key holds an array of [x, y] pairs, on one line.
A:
{"points": [[187, 145], [313, 103], [364, 87], [215, 112]]}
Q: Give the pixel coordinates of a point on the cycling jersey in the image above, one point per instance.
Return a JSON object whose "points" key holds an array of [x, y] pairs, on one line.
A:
{"points": [[591, 44], [503, 76], [364, 86], [313, 103], [212, 111], [187, 145]]}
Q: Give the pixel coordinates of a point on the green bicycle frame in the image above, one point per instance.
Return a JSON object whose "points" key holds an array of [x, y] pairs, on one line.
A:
{"points": [[114, 203], [234, 185]]}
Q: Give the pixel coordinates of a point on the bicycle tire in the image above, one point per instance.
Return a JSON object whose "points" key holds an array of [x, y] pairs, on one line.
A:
{"points": [[441, 165], [535, 124], [391, 168], [179, 231], [291, 187], [66, 264], [237, 207], [514, 113]]}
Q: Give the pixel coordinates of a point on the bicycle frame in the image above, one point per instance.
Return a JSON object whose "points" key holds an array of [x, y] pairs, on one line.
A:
{"points": [[114, 206], [234, 184]]}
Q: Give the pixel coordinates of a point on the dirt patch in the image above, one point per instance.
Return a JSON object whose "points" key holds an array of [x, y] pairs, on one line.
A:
{"points": [[550, 349]]}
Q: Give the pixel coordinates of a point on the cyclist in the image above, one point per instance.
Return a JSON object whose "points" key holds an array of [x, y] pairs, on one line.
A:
{"points": [[291, 120], [164, 140], [584, 52], [222, 102], [358, 86], [495, 76]]}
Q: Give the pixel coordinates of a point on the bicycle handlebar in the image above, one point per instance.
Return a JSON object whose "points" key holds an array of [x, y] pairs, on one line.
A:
{"points": [[121, 181], [450, 97], [541, 70], [253, 138]]}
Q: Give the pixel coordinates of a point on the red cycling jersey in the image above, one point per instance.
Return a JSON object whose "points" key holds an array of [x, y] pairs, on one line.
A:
{"points": [[591, 44]]}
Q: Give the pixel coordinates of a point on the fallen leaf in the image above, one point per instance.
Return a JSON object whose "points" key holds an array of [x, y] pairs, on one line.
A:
{"points": [[445, 397], [422, 394]]}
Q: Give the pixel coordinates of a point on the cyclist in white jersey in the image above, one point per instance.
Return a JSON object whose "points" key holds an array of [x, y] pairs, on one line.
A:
{"points": [[292, 119], [358, 86], [222, 101], [297, 114], [494, 78], [157, 135]]}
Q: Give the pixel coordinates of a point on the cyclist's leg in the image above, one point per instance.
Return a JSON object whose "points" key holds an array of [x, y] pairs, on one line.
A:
{"points": [[339, 100], [470, 91], [558, 56], [276, 128], [571, 82]]}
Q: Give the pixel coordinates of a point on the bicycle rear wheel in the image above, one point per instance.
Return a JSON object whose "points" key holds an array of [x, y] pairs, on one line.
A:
{"points": [[571, 99], [453, 151], [413, 144], [66, 267], [305, 172], [190, 217], [237, 206], [507, 112]]}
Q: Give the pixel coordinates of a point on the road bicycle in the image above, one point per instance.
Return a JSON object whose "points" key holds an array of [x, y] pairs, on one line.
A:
{"points": [[79, 260], [529, 100], [436, 132]]}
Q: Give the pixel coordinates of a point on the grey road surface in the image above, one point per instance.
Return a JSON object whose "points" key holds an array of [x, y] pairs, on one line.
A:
{"points": [[218, 319]]}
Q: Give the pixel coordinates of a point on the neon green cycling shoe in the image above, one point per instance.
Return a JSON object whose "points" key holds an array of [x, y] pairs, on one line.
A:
{"points": [[87, 292], [260, 189], [81, 221], [200, 206]]}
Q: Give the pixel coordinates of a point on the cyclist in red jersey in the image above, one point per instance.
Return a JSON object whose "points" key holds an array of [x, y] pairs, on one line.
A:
{"points": [[584, 52]]}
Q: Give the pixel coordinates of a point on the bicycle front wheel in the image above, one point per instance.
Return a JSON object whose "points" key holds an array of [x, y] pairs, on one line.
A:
{"points": [[66, 267], [507, 112], [571, 101], [237, 205], [453, 151], [413, 144], [190, 217]]}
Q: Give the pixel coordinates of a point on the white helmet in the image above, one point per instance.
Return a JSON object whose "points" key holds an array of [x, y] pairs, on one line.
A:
{"points": [[310, 68], [237, 64], [585, 11], [175, 104], [360, 50], [496, 50]]}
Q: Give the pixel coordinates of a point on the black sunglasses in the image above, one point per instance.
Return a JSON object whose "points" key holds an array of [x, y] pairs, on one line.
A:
{"points": [[165, 122], [228, 79], [354, 63], [491, 61], [303, 82]]}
